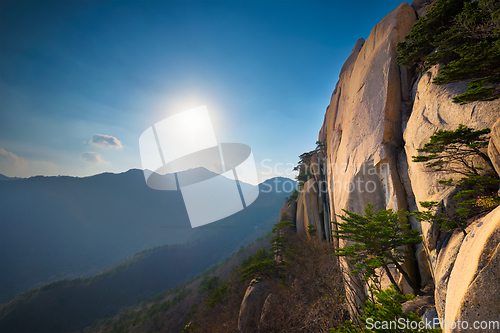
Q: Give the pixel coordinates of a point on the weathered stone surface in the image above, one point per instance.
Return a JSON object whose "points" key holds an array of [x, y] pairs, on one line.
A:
{"points": [[481, 301], [417, 304], [266, 314], [444, 265], [290, 211], [431, 316], [308, 208], [472, 291], [354, 54], [433, 109], [421, 6], [362, 126], [369, 119], [251, 306], [494, 145]]}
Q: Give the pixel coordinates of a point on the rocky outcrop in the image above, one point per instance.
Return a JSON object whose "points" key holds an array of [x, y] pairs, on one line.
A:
{"points": [[309, 208], [474, 277], [445, 262], [378, 117], [362, 127], [362, 124], [480, 300], [494, 146], [266, 315], [421, 6], [289, 212], [433, 109], [251, 306]]}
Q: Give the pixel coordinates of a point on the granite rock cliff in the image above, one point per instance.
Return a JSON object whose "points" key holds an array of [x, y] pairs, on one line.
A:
{"points": [[379, 115]]}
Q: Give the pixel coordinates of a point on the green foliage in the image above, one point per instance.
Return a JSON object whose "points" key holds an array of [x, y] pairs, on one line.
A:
{"points": [[134, 317], [304, 175], [280, 240], [262, 263], [474, 187], [260, 269], [260, 255], [208, 284], [215, 292], [434, 214], [378, 240], [311, 230], [387, 309], [292, 197], [457, 151], [305, 172], [463, 35]]}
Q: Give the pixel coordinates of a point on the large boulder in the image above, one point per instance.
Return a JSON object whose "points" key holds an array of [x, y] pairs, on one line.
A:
{"points": [[251, 306], [481, 301], [443, 267], [473, 291]]}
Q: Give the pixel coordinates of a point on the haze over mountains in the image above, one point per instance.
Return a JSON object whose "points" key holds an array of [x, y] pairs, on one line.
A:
{"points": [[64, 227]]}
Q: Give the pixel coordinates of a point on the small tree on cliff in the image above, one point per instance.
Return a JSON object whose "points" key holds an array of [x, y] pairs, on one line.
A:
{"points": [[304, 165], [463, 36], [280, 240], [378, 240], [263, 264], [385, 309], [458, 151], [455, 151]]}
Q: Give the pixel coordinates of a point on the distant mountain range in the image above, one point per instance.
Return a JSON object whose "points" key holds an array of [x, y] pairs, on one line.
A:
{"points": [[2, 177], [66, 227]]}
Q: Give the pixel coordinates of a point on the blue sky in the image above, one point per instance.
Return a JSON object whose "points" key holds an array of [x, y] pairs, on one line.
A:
{"points": [[81, 80]]}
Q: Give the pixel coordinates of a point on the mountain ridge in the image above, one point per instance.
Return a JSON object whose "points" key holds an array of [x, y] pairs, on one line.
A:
{"points": [[101, 220]]}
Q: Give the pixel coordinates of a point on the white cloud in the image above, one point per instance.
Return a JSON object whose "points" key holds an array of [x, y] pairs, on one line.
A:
{"points": [[105, 141], [93, 158], [15, 166], [8, 158]]}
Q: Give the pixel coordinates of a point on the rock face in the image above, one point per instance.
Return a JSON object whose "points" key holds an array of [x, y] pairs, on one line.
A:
{"points": [[290, 211], [434, 109], [472, 291], [251, 307], [379, 115], [445, 262], [362, 126], [266, 316], [309, 208], [494, 146]]}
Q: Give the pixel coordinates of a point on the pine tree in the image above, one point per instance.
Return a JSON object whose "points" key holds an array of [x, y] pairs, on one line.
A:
{"points": [[457, 151], [464, 36], [378, 240], [385, 309]]}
